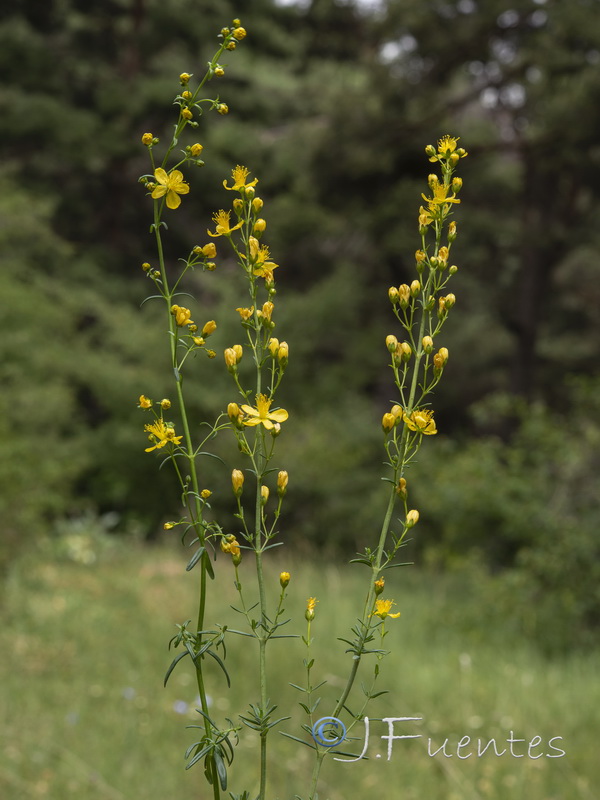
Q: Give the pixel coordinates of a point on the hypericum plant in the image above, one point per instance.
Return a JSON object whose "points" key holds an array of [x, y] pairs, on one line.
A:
{"points": [[255, 420]]}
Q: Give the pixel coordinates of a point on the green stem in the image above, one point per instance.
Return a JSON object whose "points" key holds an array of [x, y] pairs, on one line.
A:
{"points": [[194, 483]]}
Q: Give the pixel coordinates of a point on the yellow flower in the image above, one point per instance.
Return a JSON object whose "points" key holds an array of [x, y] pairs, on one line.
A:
{"points": [[144, 402], [239, 175], [447, 145], [172, 185], [161, 435], [182, 315], [439, 196], [383, 608], [259, 259], [245, 313], [261, 414], [222, 225], [421, 421]]}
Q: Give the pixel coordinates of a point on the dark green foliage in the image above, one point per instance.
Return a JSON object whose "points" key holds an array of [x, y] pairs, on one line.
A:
{"points": [[331, 108]]}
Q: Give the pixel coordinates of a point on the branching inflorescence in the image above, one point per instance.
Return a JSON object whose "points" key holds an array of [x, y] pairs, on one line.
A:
{"points": [[255, 419]]}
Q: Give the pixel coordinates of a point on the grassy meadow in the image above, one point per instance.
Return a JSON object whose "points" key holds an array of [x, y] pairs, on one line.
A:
{"points": [[84, 713]]}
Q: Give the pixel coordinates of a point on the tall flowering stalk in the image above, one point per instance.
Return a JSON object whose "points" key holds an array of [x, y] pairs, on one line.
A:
{"points": [[422, 309], [253, 416]]}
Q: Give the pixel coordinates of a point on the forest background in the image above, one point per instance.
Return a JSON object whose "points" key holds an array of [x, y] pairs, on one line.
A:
{"points": [[331, 105]]}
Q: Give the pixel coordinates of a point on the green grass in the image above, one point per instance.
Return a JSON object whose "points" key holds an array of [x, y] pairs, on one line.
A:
{"points": [[84, 713]]}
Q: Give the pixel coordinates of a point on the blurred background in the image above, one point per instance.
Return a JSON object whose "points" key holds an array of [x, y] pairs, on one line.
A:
{"points": [[331, 105]]}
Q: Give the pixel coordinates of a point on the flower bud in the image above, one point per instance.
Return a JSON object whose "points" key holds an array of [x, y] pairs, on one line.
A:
{"points": [[449, 300], [205, 494], [198, 341], [249, 192], [165, 404], [239, 352], [264, 494], [452, 231], [440, 359], [401, 488], [430, 152], [456, 184], [415, 288], [267, 311], [420, 256], [273, 346], [404, 292], [405, 351], [260, 225], [187, 95], [257, 204], [144, 402], [388, 421], [186, 113], [309, 614], [238, 206], [184, 78], [412, 518], [219, 71], [239, 33], [209, 250], [237, 482], [427, 344], [394, 295], [282, 482], [391, 343], [147, 139], [284, 579], [233, 412], [209, 328], [283, 353], [223, 108], [397, 411], [168, 525], [230, 359], [453, 270], [275, 430], [379, 586]]}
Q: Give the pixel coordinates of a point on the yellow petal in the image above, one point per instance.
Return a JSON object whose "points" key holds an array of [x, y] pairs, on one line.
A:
{"points": [[280, 415], [249, 410], [253, 421], [158, 192], [173, 199], [161, 176]]}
